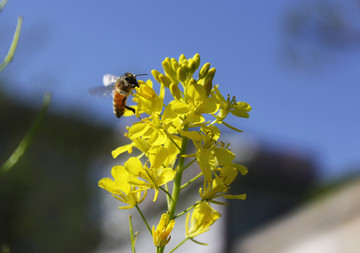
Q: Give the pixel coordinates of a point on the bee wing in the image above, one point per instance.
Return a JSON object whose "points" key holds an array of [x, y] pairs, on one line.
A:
{"points": [[109, 79], [102, 91]]}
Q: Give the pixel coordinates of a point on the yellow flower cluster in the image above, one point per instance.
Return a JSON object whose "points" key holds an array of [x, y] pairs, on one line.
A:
{"points": [[192, 114]]}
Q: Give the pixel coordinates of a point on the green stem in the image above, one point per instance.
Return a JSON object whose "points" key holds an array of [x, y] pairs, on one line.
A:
{"points": [[191, 180], [177, 181], [10, 55], [131, 235], [187, 165], [179, 245], [187, 209], [25, 142], [143, 217], [170, 138], [166, 192], [168, 198], [2, 4]]}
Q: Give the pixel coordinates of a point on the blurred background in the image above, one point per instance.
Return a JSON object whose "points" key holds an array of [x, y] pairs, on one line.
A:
{"points": [[295, 62]]}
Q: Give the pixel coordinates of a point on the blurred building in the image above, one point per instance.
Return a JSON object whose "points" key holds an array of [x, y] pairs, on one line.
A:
{"points": [[278, 182], [330, 224], [48, 200]]}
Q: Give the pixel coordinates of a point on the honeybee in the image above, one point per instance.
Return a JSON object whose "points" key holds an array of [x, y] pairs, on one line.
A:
{"points": [[120, 87]]}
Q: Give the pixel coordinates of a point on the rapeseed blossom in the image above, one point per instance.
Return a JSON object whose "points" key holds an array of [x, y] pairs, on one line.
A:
{"points": [[161, 235], [193, 114]]}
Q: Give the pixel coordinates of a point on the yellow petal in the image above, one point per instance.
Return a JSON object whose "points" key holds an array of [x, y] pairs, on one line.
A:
{"points": [[193, 135], [157, 156], [115, 153], [179, 107], [224, 156], [210, 106], [134, 166], [137, 130]]}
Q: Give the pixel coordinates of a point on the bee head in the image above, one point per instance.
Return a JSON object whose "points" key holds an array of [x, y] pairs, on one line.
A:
{"points": [[130, 80]]}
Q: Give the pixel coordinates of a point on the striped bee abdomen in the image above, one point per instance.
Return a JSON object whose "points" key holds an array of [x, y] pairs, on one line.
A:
{"points": [[119, 103]]}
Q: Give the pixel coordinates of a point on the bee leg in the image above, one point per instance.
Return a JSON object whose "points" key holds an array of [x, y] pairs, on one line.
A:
{"points": [[131, 109]]}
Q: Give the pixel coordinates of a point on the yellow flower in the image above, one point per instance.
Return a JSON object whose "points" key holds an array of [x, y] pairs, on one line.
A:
{"points": [[147, 100], [150, 128], [121, 189], [213, 190], [202, 218], [239, 109], [147, 178], [161, 235]]}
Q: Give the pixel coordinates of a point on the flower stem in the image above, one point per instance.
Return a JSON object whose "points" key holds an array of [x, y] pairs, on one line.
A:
{"points": [[177, 181], [25, 142], [168, 198], [143, 217], [191, 180], [131, 235], [187, 165], [179, 245], [166, 192], [10, 55], [187, 210]]}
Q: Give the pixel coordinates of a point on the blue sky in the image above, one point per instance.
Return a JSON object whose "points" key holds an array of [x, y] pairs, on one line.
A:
{"points": [[66, 47]]}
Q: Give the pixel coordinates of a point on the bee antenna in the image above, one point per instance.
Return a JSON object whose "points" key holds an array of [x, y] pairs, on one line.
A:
{"points": [[141, 75]]}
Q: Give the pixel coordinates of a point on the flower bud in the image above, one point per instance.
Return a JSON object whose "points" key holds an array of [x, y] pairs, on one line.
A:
{"points": [[204, 70], [165, 80], [196, 59], [208, 86], [181, 73], [211, 73], [175, 91], [156, 74], [192, 82], [182, 58], [168, 67], [192, 65], [175, 64]]}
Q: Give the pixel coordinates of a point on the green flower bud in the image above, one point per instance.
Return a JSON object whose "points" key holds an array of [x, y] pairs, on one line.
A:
{"points": [[204, 70], [156, 74], [211, 73], [192, 82], [192, 65], [208, 86], [196, 59], [165, 80], [168, 67], [175, 64], [175, 91], [182, 58], [181, 73]]}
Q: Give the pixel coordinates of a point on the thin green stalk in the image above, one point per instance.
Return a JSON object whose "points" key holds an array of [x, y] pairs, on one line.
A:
{"points": [[187, 165], [177, 181], [2, 4], [191, 180], [170, 138], [131, 235], [168, 198], [143, 217], [187, 210], [166, 192], [179, 245], [10, 55], [25, 142]]}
